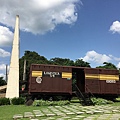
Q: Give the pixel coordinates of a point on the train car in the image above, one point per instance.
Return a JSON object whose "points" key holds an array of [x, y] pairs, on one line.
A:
{"points": [[49, 80], [99, 82], [53, 80]]}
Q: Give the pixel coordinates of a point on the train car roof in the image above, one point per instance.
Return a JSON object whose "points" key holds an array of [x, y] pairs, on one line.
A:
{"points": [[72, 67]]}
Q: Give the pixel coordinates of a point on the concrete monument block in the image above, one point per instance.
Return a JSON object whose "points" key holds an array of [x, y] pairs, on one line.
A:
{"points": [[13, 76]]}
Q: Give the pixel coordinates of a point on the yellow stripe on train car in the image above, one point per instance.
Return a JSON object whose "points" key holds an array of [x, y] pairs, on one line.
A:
{"points": [[109, 77], [92, 76], [102, 77], [36, 73], [66, 75]]}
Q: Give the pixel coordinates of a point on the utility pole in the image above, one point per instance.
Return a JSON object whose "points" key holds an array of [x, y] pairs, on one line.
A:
{"points": [[6, 72], [24, 71]]}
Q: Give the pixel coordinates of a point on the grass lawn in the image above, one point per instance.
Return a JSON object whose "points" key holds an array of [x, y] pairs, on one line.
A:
{"points": [[7, 111]]}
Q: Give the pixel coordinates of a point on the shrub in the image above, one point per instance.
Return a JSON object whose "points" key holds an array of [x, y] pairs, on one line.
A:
{"points": [[49, 103], [18, 101], [4, 101], [101, 101]]}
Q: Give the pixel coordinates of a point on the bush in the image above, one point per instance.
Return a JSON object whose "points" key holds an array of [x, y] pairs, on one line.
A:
{"points": [[18, 101], [101, 101], [4, 101], [49, 103]]}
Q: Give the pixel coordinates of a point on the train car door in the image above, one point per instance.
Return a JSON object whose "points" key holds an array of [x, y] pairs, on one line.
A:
{"points": [[78, 78]]}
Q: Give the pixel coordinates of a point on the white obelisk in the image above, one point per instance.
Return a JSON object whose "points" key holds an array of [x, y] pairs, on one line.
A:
{"points": [[13, 76]]}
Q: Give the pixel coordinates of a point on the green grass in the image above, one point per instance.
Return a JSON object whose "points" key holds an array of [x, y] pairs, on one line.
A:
{"points": [[115, 104], [7, 111]]}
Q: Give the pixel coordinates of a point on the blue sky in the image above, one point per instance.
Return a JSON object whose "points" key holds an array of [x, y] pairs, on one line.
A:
{"points": [[74, 29]]}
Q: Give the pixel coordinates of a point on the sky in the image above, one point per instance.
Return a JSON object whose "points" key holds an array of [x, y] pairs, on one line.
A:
{"points": [[74, 29]]}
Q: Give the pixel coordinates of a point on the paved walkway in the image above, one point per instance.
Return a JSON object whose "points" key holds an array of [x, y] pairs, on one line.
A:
{"points": [[73, 112]]}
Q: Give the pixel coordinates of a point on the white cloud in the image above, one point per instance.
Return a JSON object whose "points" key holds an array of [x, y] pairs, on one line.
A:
{"points": [[6, 36], [3, 70], [4, 53], [2, 75], [118, 65], [114, 58], [115, 27], [96, 59], [38, 16], [2, 67], [92, 56]]}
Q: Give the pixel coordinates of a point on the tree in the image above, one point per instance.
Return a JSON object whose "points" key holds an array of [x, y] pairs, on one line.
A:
{"points": [[2, 81], [81, 63], [108, 66], [61, 61], [31, 58]]}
